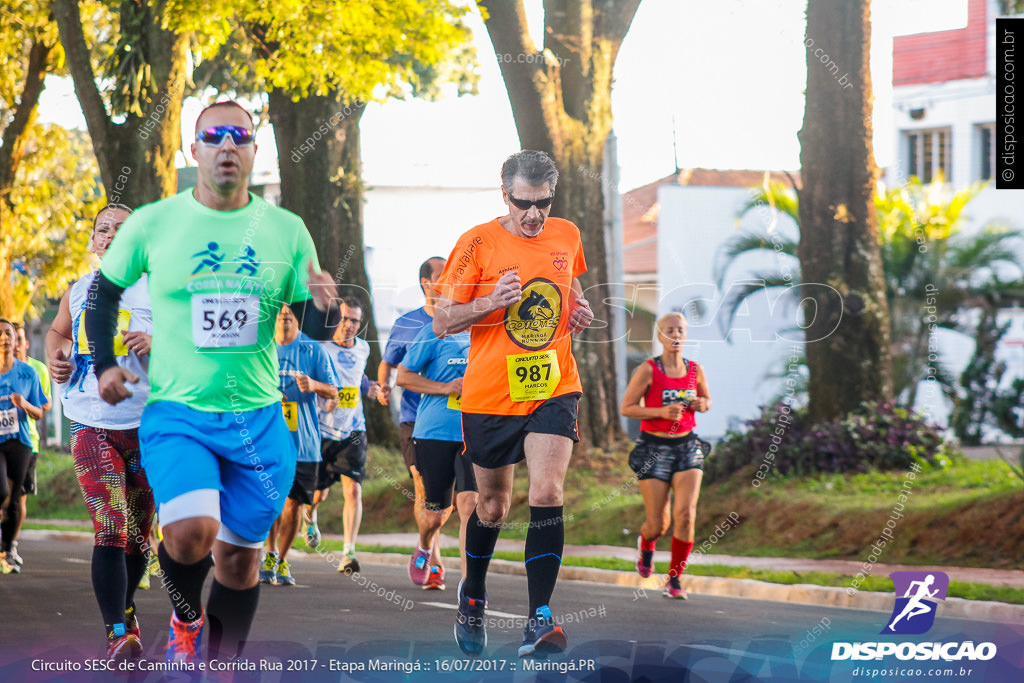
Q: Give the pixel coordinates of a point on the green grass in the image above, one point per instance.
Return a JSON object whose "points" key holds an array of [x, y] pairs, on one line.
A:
{"points": [[50, 526], [59, 496], [813, 517], [877, 584], [958, 483]]}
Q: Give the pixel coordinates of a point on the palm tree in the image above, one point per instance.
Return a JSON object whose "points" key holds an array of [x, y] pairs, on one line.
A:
{"points": [[933, 274]]}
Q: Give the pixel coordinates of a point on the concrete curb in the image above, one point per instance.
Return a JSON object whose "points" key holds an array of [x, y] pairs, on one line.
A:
{"points": [[804, 594]]}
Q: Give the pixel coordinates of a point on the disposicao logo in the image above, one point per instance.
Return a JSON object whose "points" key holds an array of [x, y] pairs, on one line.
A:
{"points": [[914, 613], [917, 594]]}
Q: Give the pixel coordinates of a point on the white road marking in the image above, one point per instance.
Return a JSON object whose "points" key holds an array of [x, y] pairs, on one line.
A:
{"points": [[490, 612]]}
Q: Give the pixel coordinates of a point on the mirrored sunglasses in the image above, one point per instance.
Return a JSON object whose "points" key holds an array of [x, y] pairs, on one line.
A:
{"points": [[215, 136]]}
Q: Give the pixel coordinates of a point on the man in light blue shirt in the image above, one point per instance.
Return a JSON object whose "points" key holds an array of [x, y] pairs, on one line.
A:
{"points": [[306, 372]]}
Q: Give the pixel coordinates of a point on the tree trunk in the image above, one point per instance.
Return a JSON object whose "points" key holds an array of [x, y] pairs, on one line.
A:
{"points": [[321, 181], [561, 103], [136, 157], [848, 351]]}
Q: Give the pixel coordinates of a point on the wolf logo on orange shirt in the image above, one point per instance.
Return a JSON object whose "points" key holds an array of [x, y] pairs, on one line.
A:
{"points": [[535, 307], [531, 323]]}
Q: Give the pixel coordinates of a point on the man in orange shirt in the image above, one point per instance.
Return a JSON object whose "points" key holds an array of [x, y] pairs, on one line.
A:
{"points": [[513, 283]]}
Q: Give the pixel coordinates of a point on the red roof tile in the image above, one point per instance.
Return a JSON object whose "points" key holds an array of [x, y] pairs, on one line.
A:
{"points": [[640, 210]]}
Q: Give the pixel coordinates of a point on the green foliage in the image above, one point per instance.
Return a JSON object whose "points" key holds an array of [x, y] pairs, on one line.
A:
{"points": [[55, 196], [22, 22], [369, 50], [128, 47], [1011, 7], [933, 273], [785, 442], [980, 402]]}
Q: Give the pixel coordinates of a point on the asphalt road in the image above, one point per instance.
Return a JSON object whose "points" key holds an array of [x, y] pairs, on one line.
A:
{"points": [[332, 627]]}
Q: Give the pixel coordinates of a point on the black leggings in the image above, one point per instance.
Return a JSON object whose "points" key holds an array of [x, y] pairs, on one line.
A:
{"points": [[444, 469], [14, 461]]}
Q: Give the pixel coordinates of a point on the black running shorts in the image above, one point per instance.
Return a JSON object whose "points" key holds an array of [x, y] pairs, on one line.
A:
{"points": [[494, 441], [405, 444], [30, 476], [342, 458], [305, 485], [445, 469], [659, 457]]}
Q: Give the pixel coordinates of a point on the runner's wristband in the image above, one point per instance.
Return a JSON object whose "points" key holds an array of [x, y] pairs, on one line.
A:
{"points": [[101, 323]]}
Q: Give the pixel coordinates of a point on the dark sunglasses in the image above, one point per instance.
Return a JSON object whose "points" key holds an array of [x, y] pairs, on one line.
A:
{"points": [[525, 204], [215, 136]]}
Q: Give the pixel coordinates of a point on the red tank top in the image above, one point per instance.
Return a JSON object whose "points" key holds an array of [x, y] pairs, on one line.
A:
{"points": [[665, 390]]}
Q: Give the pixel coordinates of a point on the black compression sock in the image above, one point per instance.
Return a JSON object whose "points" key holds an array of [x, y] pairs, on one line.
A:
{"points": [[230, 614], [184, 583], [545, 540], [480, 540]]}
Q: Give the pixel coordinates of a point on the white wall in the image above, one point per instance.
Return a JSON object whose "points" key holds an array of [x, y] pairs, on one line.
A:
{"points": [[961, 105], [694, 222], [404, 226]]}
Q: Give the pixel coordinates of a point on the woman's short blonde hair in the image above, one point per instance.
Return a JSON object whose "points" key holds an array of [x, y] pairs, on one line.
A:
{"points": [[669, 316]]}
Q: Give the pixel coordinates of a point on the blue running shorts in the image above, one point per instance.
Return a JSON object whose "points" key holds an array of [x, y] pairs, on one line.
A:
{"points": [[249, 456]]}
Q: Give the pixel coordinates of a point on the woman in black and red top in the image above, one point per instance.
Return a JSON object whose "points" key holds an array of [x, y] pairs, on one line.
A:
{"points": [[664, 393]]}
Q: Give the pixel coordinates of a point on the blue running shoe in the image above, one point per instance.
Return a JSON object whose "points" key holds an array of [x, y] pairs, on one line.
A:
{"points": [[470, 631], [542, 636]]}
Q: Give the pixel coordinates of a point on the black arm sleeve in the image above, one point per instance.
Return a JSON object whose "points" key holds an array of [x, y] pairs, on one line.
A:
{"points": [[101, 322], [317, 324]]}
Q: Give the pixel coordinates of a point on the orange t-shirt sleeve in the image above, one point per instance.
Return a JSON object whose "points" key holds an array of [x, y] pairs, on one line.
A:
{"points": [[462, 272], [579, 266]]}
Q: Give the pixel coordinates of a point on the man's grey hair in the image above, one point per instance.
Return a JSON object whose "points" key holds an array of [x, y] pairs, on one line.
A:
{"points": [[536, 168]]}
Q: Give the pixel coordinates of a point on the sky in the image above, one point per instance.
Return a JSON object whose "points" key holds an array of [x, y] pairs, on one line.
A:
{"points": [[724, 78]]}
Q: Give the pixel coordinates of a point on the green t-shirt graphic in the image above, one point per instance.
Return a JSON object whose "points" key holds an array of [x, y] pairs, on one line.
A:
{"points": [[217, 280]]}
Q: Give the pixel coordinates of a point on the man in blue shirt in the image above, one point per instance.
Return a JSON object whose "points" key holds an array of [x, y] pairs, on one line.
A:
{"points": [[305, 373], [403, 333], [435, 367]]}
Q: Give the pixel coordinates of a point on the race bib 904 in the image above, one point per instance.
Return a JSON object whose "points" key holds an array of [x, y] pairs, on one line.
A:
{"points": [[348, 397], [224, 320]]}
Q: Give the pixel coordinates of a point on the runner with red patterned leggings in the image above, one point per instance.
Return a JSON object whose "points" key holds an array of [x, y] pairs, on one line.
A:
{"points": [[105, 443]]}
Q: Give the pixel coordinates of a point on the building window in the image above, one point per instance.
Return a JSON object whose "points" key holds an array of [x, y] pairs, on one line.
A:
{"points": [[986, 151], [928, 154]]}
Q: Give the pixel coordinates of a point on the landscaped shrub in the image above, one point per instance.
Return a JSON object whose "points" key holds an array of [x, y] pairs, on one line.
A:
{"points": [[785, 442]]}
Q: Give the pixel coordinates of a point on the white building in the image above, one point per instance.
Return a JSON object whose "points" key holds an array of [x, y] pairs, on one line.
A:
{"points": [[673, 231], [944, 100], [944, 95]]}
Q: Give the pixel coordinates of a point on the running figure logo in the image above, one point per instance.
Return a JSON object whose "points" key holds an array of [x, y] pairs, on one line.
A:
{"points": [[210, 258], [248, 263], [914, 612]]}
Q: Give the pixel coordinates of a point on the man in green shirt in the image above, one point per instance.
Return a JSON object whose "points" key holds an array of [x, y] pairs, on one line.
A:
{"points": [[217, 451]]}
